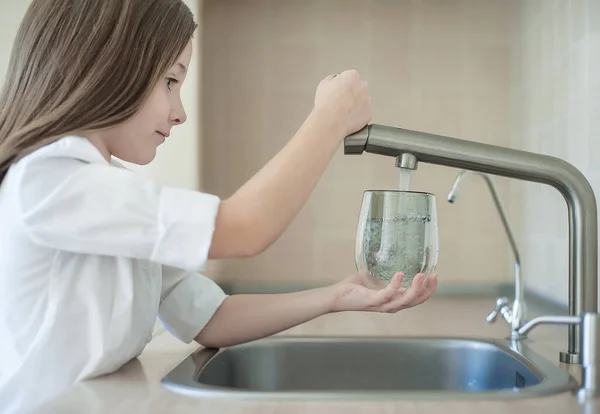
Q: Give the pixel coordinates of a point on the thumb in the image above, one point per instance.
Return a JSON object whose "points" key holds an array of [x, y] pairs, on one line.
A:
{"points": [[328, 78], [386, 294]]}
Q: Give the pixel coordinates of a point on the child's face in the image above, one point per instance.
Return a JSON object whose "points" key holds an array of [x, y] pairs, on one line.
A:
{"points": [[137, 139]]}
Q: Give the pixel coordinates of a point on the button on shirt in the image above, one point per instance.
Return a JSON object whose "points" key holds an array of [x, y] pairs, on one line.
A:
{"points": [[91, 254]]}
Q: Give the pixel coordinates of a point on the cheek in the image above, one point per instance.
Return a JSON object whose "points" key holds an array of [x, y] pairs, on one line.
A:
{"points": [[158, 106]]}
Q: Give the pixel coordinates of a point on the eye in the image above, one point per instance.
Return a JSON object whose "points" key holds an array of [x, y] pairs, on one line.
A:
{"points": [[170, 82]]}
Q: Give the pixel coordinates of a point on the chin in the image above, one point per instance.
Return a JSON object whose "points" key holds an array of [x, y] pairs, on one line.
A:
{"points": [[139, 159], [146, 160]]}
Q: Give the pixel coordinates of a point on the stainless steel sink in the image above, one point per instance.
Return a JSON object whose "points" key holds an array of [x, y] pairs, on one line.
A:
{"points": [[368, 367]]}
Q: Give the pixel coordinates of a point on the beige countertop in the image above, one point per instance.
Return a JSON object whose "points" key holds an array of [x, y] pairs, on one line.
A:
{"points": [[136, 387]]}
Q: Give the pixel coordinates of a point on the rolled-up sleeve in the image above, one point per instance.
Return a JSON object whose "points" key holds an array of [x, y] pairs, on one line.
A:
{"points": [[188, 302], [103, 210]]}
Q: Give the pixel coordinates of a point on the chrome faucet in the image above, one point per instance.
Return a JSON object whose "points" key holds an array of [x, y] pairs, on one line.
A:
{"points": [[522, 165], [513, 313]]}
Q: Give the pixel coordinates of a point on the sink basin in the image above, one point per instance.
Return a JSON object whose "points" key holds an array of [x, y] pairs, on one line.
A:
{"points": [[368, 367]]}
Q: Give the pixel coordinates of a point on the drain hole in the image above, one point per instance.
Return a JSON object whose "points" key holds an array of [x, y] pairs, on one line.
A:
{"points": [[519, 380]]}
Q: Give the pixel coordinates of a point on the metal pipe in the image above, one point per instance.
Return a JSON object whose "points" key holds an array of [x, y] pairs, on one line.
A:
{"points": [[511, 163], [517, 311], [549, 320]]}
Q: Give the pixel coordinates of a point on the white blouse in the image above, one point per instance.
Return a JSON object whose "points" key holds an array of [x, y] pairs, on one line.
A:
{"points": [[91, 254]]}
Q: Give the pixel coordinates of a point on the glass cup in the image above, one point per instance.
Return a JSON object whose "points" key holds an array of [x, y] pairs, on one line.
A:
{"points": [[397, 232]]}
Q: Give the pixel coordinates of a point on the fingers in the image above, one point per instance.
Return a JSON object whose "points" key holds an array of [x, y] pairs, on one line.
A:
{"points": [[385, 295], [430, 288], [330, 77], [345, 100], [426, 291], [345, 76], [341, 74], [432, 281], [406, 299], [415, 288], [351, 73]]}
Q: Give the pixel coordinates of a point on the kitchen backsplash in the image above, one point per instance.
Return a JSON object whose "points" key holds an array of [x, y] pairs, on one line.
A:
{"points": [[555, 110], [435, 66]]}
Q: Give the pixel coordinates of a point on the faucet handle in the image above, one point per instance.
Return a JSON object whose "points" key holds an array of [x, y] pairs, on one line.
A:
{"points": [[501, 305]]}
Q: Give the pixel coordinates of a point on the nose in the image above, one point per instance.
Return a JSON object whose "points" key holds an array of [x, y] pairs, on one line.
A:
{"points": [[177, 120], [178, 116]]}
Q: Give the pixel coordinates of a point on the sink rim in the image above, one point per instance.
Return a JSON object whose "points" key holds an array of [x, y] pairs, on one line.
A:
{"points": [[181, 379]]}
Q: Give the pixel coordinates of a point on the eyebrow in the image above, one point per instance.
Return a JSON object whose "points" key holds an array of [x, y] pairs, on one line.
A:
{"points": [[182, 67]]}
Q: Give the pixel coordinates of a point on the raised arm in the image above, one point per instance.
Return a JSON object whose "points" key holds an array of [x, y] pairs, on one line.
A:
{"points": [[255, 216]]}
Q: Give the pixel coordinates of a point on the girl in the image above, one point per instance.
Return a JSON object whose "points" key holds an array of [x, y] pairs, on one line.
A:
{"points": [[92, 253]]}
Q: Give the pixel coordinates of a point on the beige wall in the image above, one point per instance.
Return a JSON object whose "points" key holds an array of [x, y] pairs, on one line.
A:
{"points": [[440, 67], [555, 103], [11, 14]]}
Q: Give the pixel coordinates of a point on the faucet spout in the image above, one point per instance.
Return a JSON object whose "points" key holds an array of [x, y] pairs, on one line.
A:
{"points": [[517, 310], [521, 165]]}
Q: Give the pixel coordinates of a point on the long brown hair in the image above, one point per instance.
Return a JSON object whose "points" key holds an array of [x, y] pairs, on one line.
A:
{"points": [[81, 65]]}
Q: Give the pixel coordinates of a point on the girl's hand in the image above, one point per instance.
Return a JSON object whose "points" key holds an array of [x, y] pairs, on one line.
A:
{"points": [[361, 293], [344, 101]]}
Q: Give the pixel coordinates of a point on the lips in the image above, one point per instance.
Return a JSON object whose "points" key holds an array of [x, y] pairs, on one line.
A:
{"points": [[164, 134]]}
